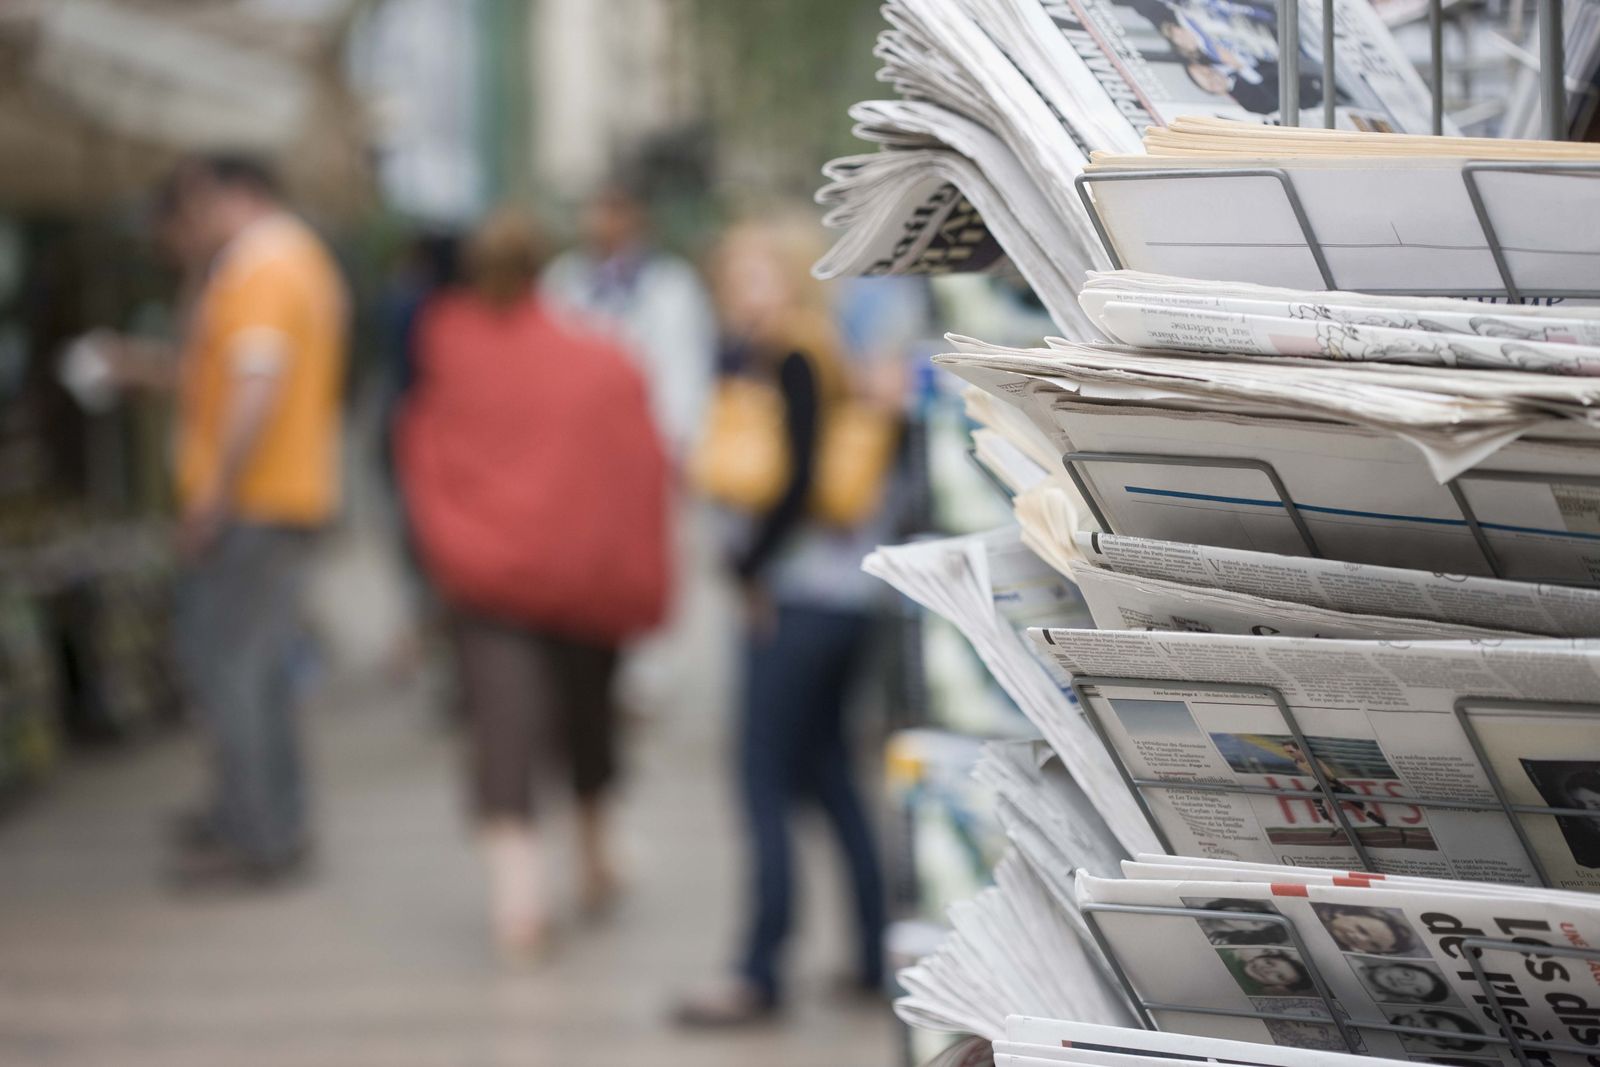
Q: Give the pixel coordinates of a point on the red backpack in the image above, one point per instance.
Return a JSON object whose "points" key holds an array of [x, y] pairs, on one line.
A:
{"points": [[534, 477]]}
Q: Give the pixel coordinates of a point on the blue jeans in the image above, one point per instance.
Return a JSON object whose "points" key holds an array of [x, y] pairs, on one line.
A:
{"points": [[793, 746], [239, 629]]}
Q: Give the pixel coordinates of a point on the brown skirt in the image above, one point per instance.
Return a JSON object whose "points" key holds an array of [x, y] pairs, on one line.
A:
{"points": [[533, 701]]}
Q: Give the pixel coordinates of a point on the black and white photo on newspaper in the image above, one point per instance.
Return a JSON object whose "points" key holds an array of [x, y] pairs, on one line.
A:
{"points": [[1411, 970], [1221, 58]]}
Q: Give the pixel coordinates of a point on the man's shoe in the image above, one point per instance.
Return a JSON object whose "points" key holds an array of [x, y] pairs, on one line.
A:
{"points": [[727, 1005], [220, 868]]}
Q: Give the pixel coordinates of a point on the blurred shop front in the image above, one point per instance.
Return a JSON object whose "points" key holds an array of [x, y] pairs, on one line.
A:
{"points": [[96, 102]]}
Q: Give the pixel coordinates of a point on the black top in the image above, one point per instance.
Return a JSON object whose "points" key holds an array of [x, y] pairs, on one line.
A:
{"points": [[797, 381]]}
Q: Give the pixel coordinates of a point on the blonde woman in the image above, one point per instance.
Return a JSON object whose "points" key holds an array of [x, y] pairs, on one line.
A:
{"points": [[806, 623]]}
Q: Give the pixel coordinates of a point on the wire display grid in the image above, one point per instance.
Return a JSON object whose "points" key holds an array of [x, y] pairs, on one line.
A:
{"points": [[1552, 65], [1469, 517], [1510, 289]]}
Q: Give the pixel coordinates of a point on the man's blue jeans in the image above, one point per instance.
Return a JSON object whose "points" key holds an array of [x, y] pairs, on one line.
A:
{"points": [[239, 627]]}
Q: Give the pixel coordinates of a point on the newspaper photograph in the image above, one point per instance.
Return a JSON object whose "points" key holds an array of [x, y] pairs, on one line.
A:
{"points": [[1390, 959], [1355, 588], [1232, 777], [1220, 57], [1538, 765]]}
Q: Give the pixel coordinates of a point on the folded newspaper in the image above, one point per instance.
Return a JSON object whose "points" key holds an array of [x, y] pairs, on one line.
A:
{"points": [[1159, 311], [1483, 472], [1004, 101], [1351, 589]]}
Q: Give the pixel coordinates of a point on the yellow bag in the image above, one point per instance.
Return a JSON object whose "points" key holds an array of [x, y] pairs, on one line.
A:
{"points": [[743, 460], [854, 456]]}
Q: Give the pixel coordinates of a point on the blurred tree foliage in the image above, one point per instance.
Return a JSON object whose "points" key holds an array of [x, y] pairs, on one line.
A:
{"points": [[781, 74]]}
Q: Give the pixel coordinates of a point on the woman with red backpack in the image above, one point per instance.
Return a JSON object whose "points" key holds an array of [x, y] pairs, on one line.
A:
{"points": [[536, 487]]}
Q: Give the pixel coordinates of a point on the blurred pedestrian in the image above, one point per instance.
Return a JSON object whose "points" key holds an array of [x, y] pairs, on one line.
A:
{"points": [[807, 616], [654, 305], [536, 486], [652, 300], [258, 427], [425, 268]]}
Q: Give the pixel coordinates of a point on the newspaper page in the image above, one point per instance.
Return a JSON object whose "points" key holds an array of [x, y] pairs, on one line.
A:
{"points": [[992, 589], [1357, 588], [1013, 469], [933, 211], [1123, 602], [1033, 780], [1207, 330], [1378, 722], [1011, 948], [1390, 960], [1470, 318]]}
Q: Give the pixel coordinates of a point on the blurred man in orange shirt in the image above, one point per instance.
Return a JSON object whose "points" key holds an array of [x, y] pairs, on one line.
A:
{"points": [[259, 383]]}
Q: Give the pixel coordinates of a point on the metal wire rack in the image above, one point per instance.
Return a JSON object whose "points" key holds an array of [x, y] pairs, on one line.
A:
{"points": [[1552, 64]]}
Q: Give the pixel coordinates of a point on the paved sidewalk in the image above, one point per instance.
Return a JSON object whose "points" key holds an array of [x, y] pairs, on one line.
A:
{"points": [[381, 960]]}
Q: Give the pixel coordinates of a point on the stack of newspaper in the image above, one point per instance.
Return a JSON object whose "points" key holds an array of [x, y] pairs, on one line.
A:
{"points": [[1343, 554], [1003, 101], [1321, 209]]}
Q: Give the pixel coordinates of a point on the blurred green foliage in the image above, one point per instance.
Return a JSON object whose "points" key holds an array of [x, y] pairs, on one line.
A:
{"points": [[782, 73]]}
